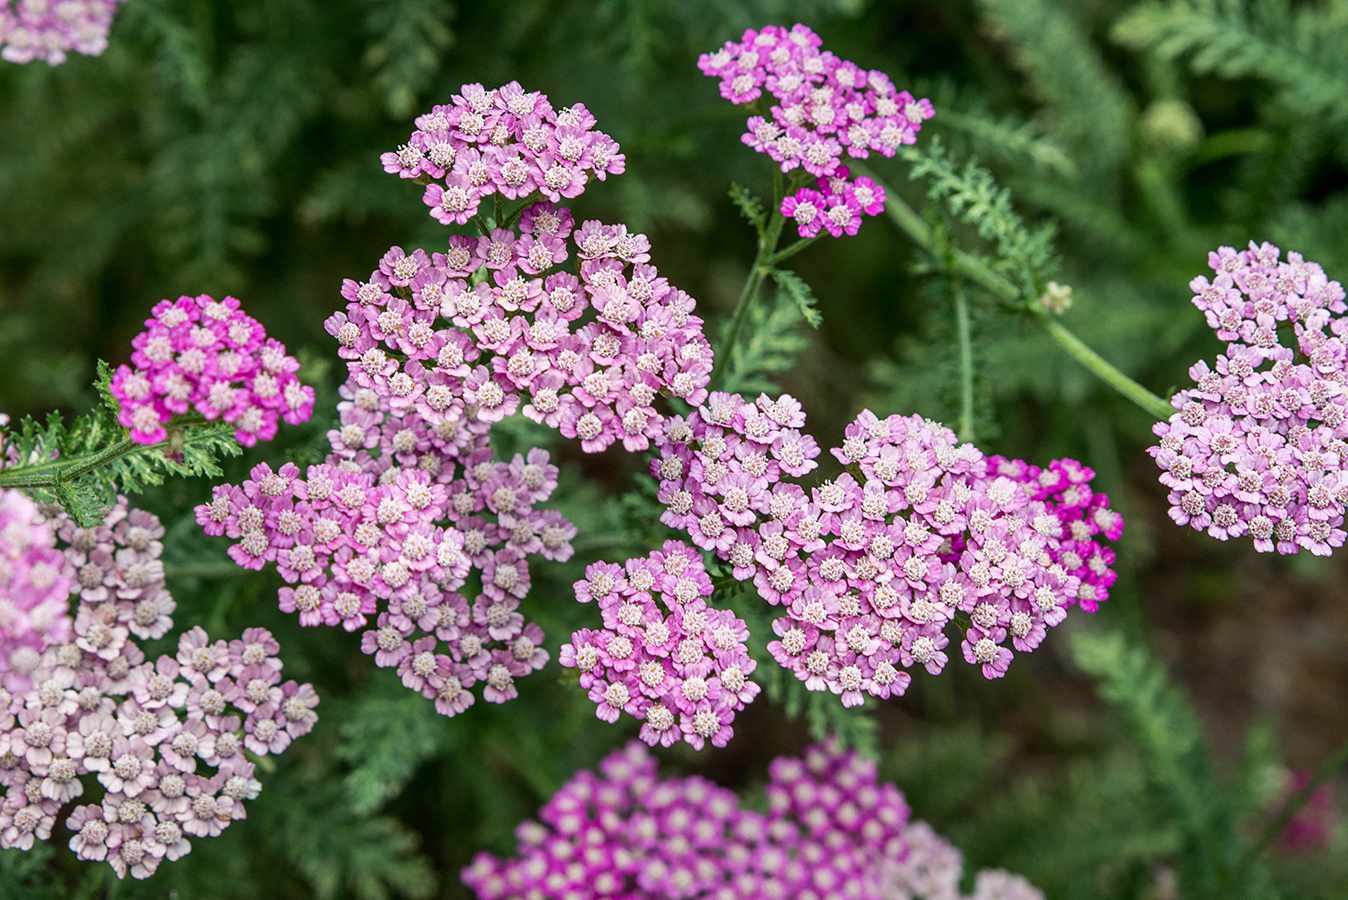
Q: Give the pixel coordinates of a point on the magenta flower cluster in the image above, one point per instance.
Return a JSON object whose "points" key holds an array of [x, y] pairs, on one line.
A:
{"points": [[208, 355], [382, 548], [823, 109], [47, 30], [663, 656], [504, 143], [165, 739], [831, 829], [1257, 447], [460, 340], [35, 583], [872, 568]]}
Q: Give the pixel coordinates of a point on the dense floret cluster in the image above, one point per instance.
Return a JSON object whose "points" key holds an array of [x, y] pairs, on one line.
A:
{"points": [[35, 585], [1257, 447], [209, 356], [504, 143], [47, 30], [873, 568], [166, 740], [831, 829], [822, 109], [663, 656]]}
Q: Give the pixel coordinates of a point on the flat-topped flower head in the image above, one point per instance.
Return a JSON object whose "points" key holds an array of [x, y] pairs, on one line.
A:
{"points": [[663, 656], [504, 142], [875, 571], [141, 757], [48, 30], [831, 829], [202, 355], [1256, 449], [813, 110]]}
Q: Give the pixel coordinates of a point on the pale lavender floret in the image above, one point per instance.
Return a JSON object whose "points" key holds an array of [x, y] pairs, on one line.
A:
{"points": [[1257, 447], [831, 829], [35, 584], [161, 739]]}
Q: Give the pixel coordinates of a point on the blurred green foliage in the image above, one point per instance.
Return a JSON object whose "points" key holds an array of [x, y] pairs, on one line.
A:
{"points": [[232, 148]]}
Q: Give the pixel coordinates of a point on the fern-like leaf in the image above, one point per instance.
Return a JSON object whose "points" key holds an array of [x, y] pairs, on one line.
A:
{"points": [[795, 287]]}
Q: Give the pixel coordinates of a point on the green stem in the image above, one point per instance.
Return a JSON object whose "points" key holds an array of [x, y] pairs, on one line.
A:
{"points": [[984, 276], [767, 247], [1327, 770], [790, 251], [51, 472], [964, 333]]}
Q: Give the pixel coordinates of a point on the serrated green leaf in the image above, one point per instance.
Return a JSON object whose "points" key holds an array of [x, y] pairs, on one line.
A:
{"points": [[800, 293], [749, 206]]}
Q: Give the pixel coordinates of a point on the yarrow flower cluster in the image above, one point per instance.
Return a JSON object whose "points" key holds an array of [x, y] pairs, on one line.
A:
{"points": [[164, 739], [208, 355], [872, 568], [831, 829], [460, 340], [383, 548], [504, 142], [35, 584], [823, 108], [1257, 447], [46, 30], [663, 656]]}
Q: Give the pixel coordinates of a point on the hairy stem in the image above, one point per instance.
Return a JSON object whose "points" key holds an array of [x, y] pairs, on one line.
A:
{"points": [[977, 271], [51, 472]]}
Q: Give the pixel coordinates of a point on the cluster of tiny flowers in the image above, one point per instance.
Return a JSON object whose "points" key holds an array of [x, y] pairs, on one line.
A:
{"points": [[823, 108], [505, 142], [1257, 447], [457, 341], [663, 656], [835, 205], [35, 584], [165, 739], [46, 30], [208, 355], [933, 869], [1089, 524], [367, 544], [871, 568], [831, 829]]}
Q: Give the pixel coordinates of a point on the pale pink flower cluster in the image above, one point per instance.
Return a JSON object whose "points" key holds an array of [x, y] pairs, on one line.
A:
{"points": [[1257, 448], [831, 829], [370, 545], [46, 30], [872, 569], [165, 739], [460, 340], [502, 142], [823, 108], [664, 656], [209, 356], [35, 584]]}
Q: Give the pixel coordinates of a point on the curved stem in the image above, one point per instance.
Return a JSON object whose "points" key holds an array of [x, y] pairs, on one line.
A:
{"points": [[979, 272], [51, 472], [1327, 770], [964, 334], [767, 247], [790, 251]]}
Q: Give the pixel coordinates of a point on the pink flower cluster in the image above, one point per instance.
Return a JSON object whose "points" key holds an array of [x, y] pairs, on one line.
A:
{"points": [[663, 656], [873, 567], [831, 829], [460, 340], [835, 205], [823, 108], [208, 355], [47, 30], [386, 549], [1257, 447], [1089, 524], [35, 584], [165, 739], [505, 142]]}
